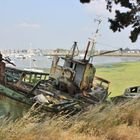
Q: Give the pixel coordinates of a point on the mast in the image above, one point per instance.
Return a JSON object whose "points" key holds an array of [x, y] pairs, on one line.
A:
{"points": [[72, 51], [87, 50], [93, 41]]}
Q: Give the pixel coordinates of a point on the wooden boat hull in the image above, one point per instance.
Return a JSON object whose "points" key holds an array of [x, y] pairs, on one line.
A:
{"points": [[15, 95]]}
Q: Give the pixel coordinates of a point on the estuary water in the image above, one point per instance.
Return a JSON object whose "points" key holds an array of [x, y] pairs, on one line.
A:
{"points": [[44, 62], [14, 109]]}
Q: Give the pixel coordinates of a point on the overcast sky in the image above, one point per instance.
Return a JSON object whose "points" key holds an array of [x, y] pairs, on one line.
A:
{"points": [[56, 24]]}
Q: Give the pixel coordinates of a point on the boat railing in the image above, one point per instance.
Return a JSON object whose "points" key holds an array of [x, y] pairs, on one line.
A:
{"points": [[100, 82], [26, 76]]}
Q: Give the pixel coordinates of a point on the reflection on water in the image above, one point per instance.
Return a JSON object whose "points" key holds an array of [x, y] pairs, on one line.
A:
{"points": [[11, 109]]}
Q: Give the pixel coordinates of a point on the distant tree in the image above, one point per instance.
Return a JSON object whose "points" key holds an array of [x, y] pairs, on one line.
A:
{"points": [[59, 50], [127, 49], [131, 17]]}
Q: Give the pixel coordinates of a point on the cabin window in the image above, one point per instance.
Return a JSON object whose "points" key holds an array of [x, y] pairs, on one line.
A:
{"points": [[61, 62], [73, 65]]}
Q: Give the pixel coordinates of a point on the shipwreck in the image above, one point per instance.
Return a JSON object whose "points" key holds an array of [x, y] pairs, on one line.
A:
{"points": [[69, 87]]}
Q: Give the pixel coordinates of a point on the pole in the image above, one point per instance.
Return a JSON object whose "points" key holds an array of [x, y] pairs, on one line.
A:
{"points": [[74, 48], [87, 50]]}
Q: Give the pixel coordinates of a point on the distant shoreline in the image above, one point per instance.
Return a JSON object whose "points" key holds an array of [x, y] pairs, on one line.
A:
{"points": [[123, 54]]}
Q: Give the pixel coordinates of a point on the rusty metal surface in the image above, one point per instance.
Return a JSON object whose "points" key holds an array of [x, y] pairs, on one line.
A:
{"points": [[2, 71], [88, 76]]}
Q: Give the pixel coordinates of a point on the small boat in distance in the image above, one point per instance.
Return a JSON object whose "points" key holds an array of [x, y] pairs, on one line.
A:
{"points": [[20, 56], [32, 66], [49, 57]]}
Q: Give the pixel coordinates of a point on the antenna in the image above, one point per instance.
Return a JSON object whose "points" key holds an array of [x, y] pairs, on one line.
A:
{"points": [[93, 40]]}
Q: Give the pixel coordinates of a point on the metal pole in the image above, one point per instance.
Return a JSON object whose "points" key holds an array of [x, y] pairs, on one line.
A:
{"points": [[87, 50], [74, 48]]}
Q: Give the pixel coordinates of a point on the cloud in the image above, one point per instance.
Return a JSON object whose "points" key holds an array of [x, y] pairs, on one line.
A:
{"points": [[29, 25], [97, 7]]}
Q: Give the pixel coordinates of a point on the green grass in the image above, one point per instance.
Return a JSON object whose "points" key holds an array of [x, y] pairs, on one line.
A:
{"points": [[121, 76]]}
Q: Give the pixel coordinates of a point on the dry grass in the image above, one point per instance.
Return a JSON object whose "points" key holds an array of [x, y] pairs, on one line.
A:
{"points": [[103, 122]]}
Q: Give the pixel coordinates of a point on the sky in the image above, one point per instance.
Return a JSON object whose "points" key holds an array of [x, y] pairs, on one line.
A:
{"points": [[56, 24]]}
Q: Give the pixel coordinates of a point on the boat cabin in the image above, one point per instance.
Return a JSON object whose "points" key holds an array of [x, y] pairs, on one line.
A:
{"points": [[77, 71]]}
